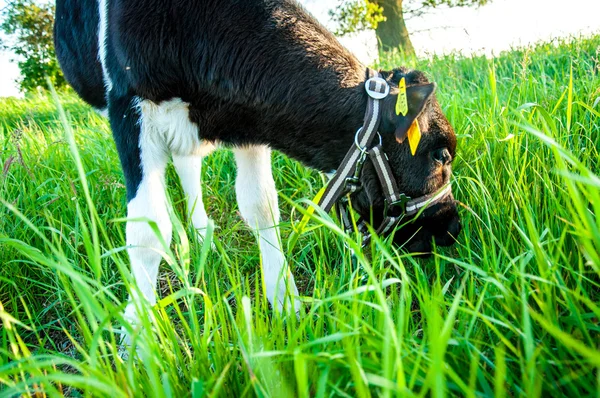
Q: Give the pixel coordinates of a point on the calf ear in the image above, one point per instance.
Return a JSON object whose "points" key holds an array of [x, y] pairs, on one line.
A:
{"points": [[416, 97]]}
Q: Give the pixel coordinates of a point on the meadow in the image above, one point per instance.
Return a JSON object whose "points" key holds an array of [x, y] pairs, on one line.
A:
{"points": [[512, 309]]}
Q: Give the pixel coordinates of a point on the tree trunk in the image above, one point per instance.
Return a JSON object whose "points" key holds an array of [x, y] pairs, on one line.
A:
{"points": [[392, 33]]}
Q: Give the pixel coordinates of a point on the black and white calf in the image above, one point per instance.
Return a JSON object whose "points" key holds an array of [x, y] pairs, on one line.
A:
{"points": [[177, 78]]}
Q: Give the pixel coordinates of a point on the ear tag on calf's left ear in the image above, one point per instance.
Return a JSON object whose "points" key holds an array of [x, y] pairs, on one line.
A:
{"points": [[402, 102], [414, 137]]}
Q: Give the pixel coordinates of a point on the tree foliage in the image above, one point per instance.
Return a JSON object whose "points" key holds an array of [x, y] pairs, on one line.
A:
{"points": [[356, 16], [387, 18], [29, 26]]}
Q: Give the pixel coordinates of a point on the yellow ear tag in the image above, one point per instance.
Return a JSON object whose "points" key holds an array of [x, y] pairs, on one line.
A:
{"points": [[414, 137], [402, 102]]}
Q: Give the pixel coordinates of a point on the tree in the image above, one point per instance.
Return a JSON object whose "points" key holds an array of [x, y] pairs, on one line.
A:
{"points": [[388, 18], [30, 27]]}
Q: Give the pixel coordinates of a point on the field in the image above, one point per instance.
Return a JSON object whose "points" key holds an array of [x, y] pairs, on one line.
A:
{"points": [[513, 309]]}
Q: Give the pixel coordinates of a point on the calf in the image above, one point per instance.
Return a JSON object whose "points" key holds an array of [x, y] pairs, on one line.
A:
{"points": [[177, 78]]}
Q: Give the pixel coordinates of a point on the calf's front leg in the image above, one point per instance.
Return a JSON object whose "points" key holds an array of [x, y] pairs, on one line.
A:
{"points": [[257, 200]]}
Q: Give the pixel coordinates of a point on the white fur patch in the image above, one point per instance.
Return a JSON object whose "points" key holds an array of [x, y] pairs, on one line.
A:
{"points": [[102, 30], [173, 126]]}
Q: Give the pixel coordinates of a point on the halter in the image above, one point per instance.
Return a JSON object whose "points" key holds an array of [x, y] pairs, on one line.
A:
{"points": [[346, 179]]}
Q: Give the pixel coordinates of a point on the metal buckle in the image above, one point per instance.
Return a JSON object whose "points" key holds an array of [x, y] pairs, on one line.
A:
{"points": [[398, 203], [378, 95], [352, 184], [354, 181]]}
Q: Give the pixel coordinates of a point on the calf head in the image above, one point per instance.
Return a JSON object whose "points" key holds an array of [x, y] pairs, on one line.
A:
{"points": [[423, 173]]}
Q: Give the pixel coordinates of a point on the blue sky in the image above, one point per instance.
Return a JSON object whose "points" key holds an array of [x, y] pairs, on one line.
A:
{"points": [[489, 29]]}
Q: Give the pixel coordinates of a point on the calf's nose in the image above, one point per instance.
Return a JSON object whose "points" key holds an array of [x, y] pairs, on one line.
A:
{"points": [[448, 237]]}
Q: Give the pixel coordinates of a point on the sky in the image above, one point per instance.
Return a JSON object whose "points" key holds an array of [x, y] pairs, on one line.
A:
{"points": [[498, 26]]}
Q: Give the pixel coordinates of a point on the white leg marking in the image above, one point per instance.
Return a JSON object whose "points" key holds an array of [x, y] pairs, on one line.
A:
{"points": [[257, 200], [150, 202], [189, 168]]}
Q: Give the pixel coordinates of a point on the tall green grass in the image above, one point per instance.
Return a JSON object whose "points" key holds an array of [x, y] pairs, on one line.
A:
{"points": [[512, 309]]}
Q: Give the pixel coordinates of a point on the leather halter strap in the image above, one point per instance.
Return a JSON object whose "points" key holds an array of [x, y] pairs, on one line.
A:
{"points": [[378, 89], [346, 180]]}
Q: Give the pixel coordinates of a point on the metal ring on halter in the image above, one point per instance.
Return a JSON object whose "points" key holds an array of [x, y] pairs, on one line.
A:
{"points": [[364, 150]]}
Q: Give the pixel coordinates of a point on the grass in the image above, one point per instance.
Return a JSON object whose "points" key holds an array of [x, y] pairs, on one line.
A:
{"points": [[512, 309]]}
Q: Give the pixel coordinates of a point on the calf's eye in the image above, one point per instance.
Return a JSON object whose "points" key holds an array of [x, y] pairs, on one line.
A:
{"points": [[442, 156]]}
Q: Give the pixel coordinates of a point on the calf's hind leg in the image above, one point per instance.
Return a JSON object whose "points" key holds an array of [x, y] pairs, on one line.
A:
{"points": [[257, 200], [144, 156]]}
